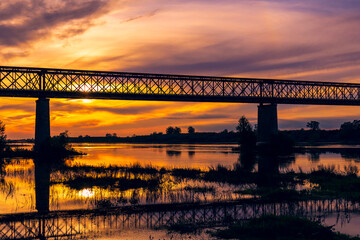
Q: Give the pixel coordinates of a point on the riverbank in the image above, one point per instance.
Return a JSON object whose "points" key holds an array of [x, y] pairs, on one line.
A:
{"points": [[300, 137]]}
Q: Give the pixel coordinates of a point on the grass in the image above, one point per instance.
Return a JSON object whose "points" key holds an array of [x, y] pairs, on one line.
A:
{"points": [[226, 175], [329, 184], [122, 184], [200, 189], [187, 173], [281, 228], [332, 184]]}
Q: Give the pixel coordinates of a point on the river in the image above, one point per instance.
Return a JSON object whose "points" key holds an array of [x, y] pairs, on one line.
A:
{"points": [[18, 195]]}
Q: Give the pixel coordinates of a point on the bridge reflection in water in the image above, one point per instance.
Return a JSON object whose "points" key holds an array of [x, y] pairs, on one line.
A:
{"points": [[45, 224], [77, 224]]}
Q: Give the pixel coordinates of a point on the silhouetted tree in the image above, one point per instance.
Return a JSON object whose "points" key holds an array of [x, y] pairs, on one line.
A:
{"points": [[62, 140], [225, 131], [170, 130], [108, 135], [244, 125], [247, 137], [173, 130], [2, 137], [114, 135], [313, 125], [191, 130], [350, 130], [57, 147], [177, 130]]}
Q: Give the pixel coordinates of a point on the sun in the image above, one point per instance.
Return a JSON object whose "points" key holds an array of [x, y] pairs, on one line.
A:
{"points": [[87, 193], [86, 100]]}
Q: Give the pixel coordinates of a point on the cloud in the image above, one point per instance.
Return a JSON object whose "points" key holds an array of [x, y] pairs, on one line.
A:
{"points": [[182, 115], [19, 117], [23, 106], [88, 124], [229, 59], [71, 107], [146, 15], [25, 21]]}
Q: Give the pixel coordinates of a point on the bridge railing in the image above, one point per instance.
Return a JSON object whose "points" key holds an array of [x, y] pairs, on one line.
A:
{"points": [[31, 82]]}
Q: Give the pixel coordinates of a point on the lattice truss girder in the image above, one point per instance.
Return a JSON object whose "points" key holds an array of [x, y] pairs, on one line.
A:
{"points": [[19, 80], [69, 227], [111, 83], [159, 86]]}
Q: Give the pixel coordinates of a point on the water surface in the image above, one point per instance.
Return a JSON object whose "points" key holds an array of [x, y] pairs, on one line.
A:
{"points": [[17, 185]]}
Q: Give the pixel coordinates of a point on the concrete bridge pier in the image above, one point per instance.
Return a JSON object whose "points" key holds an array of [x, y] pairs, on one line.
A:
{"points": [[42, 122], [267, 122]]}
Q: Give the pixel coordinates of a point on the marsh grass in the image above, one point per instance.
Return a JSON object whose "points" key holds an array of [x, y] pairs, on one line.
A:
{"points": [[326, 182], [333, 184], [122, 184], [204, 189]]}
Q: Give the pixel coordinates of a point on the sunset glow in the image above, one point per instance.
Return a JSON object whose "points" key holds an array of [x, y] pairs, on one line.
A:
{"points": [[301, 40]]}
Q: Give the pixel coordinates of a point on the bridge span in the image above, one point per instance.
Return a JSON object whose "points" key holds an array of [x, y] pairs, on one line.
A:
{"points": [[45, 83], [84, 224]]}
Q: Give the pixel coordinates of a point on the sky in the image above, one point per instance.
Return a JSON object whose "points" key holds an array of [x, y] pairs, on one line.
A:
{"points": [[313, 40]]}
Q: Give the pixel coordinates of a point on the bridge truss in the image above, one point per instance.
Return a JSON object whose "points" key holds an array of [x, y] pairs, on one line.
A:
{"points": [[60, 83], [83, 224]]}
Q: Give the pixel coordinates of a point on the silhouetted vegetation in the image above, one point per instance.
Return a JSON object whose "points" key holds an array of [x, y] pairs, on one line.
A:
{"points": [[247, 136], [173, 130], [7, 151], [279, 227], [122, 183], [313, 125], [191, 130], [350, 131], [325, 181], [2, 138], [331, 184], [57, 147]]}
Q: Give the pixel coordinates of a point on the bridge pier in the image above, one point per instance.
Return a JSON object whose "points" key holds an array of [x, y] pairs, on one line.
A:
{"points": [[42, 185], [267, 122], [42, 122]]}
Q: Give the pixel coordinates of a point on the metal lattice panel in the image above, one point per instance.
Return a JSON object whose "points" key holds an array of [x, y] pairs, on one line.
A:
{"points": [[58, 83], [75, 226]]}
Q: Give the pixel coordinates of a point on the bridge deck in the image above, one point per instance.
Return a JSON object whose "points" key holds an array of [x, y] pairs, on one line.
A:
{"points": [[60, 83]]}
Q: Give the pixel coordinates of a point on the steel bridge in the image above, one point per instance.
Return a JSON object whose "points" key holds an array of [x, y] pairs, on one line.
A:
{"points": [[45, 83], [61, 83], [80, 224]]}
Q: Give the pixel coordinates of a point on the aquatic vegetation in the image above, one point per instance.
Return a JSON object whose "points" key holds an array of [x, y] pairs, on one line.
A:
{"points": [[323, 183], [200, 189], [331, 184], [112, 183], [187, 173], [57, 147]]}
